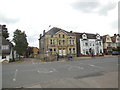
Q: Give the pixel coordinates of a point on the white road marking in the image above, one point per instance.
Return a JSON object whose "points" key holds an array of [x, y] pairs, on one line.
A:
{"points": [[46, 70], [15, 74], [94, 66], [74, 67], [38, 71]]}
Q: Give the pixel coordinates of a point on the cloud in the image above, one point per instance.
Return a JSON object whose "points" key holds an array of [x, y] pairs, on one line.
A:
{"points": [[85, 7], [8, 20], [105, 8], [114, 24], [94, 6]]}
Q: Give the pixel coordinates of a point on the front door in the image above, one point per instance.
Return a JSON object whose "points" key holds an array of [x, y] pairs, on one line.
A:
{"points": [[60, 52]]}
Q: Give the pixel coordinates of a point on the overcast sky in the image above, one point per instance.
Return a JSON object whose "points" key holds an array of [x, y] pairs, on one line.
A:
{"points": [[34, 16]]}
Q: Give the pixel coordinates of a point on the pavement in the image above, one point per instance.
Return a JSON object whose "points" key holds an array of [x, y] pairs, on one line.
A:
{"points": [[82, 73], [107, 80]]}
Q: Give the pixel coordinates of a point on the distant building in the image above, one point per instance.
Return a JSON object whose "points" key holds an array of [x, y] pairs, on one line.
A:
{"points": [[89, 43], [116, 41], [107, 44], [7, 50], [59, 41], [35, 51]]}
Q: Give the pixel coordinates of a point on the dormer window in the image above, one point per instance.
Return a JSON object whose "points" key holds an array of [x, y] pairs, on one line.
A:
{"points": [[84, 36], [108, 38], [98, 37]]}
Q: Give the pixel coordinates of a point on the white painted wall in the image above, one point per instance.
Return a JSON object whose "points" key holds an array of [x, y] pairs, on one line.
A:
{"points": [[92, 45]]}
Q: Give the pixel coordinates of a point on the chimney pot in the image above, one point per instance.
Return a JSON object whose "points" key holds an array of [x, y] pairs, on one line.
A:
{"points": [[40, 35], [43, 32]]}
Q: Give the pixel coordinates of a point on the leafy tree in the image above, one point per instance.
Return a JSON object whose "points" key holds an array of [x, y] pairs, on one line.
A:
{"points": [[5, 33], [20, 41]]}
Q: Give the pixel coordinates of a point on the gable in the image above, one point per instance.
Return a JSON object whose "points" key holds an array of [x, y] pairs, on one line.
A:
{"points": [[108, 38], [61, 32]]}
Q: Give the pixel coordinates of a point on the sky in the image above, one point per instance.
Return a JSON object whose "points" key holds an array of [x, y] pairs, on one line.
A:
{"points": [[34, 16]]}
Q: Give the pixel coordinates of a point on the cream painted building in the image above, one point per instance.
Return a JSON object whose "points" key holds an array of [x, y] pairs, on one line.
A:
{"points": [[59, 41], [107, 44]]}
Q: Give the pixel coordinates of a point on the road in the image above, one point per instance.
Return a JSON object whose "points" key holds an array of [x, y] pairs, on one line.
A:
{"points": [[60, 74]]}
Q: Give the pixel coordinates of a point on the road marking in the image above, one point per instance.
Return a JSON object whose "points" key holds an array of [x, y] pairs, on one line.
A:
{"points": [[15, 74], [75, 67], [46, 70], [94, 66]]}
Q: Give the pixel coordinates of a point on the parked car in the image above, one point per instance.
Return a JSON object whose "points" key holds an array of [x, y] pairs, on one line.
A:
{"points": [[115, 53]]}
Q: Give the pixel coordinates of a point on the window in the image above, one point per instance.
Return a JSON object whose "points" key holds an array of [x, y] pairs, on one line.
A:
{"points": [[51, 36], [70, 50], [50, 49], [90, 44], [84, 36], [83, 43], [100, 50], [63, 36], [59, 35], [83, 51], [50, 41], [59, 42], [100, 43], [54, 41], [70, 42], [86, 44], [118, 39], [63, 42], [87, 51], [5, 47], [98, 37], [3, 56], [108, 39], [54, 50], [73, 50], [109, 44]]}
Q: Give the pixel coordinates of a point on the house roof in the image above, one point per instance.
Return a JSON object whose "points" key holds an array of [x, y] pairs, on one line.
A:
{"points": [[54, 30], [104, 38], [89, 35], [113, 38]]}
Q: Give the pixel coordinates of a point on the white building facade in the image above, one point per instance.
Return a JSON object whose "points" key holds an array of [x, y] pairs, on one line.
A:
{"points": [[91, 43]]}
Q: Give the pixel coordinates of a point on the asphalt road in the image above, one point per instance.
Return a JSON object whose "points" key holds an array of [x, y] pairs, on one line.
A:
{"points": [[33, 72]]}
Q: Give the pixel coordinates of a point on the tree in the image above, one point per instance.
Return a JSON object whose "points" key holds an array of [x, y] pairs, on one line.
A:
{"points": [[20, 41], [5, 33]]}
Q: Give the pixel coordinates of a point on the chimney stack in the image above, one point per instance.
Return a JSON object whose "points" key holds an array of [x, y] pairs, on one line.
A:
{"points": [[40, 36], [114, 34], [43, 32]]}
